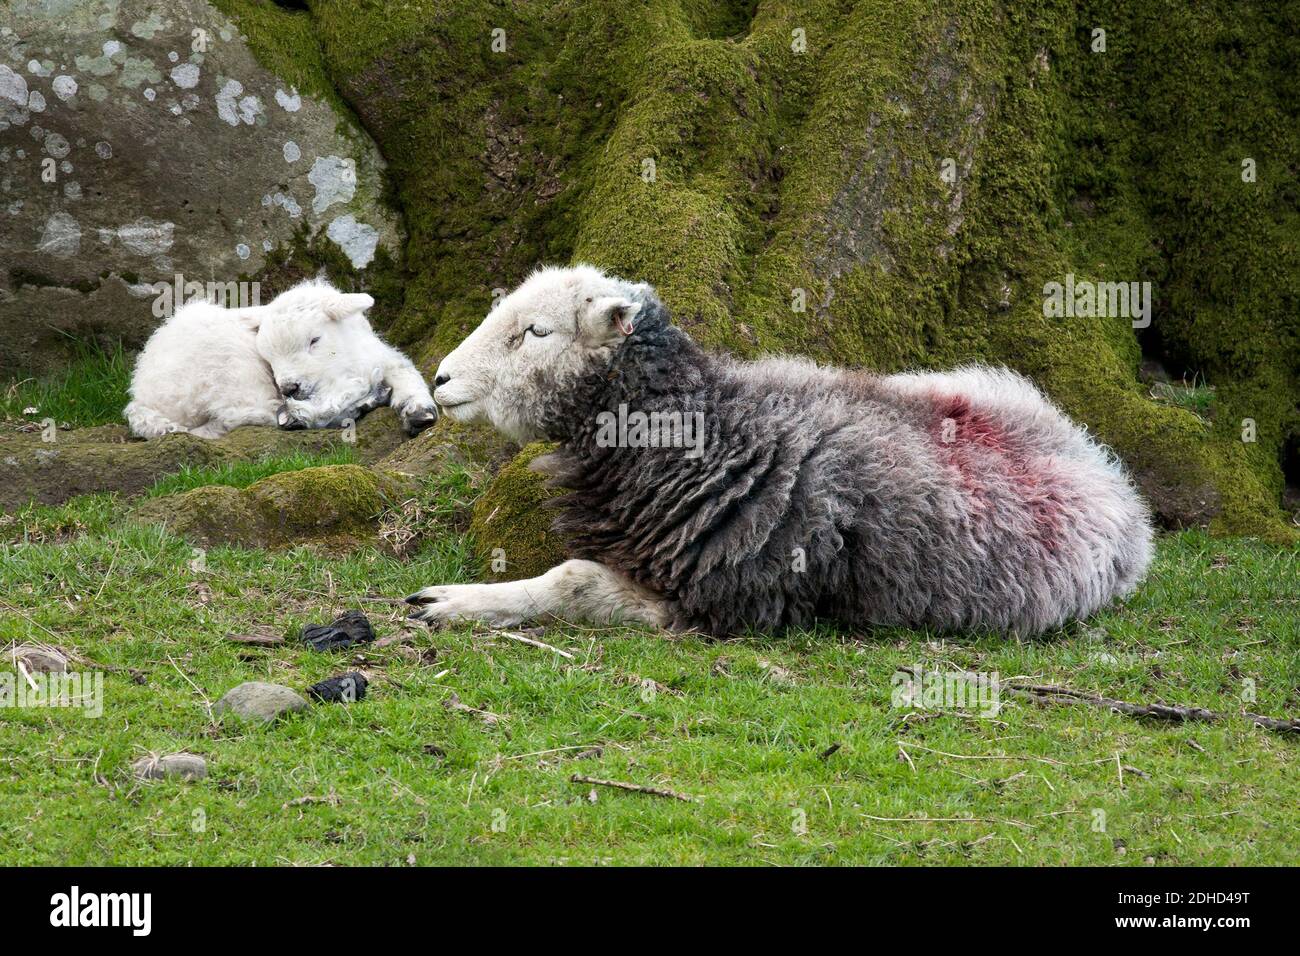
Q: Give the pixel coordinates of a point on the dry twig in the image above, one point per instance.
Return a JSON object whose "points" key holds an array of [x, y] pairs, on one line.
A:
{"points": [[633, 788]]}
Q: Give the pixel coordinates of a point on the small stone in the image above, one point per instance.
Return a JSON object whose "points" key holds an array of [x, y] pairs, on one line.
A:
{"points": [[343, 689], [256, 700], [351, 628], [179, 766]]}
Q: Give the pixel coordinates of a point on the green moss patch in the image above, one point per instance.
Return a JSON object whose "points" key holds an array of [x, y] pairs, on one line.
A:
{"points": [[511, 529], [333, 509]]}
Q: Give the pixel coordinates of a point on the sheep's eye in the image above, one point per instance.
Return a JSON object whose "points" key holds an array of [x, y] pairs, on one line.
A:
{"points": [[540, 333], [313, 341]]}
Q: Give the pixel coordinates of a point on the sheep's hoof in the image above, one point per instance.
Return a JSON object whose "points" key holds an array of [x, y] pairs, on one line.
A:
{"points": [[288, 421], [419, 418]]}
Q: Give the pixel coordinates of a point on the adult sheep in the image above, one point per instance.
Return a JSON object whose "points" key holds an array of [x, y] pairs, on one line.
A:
{"points": [[949, 500]]}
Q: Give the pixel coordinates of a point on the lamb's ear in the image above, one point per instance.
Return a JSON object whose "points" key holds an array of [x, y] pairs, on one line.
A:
{"points": [[343, 304], [616, 313], [251, 318]]}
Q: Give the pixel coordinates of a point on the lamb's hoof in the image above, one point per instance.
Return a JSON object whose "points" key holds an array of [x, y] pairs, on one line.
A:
{"points": [[377, 399], [421, 598], [288, 421], [417, 419]]}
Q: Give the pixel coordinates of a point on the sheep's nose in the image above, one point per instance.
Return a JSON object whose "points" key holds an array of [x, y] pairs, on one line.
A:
{"points": [[290, 389], [441, 380]]}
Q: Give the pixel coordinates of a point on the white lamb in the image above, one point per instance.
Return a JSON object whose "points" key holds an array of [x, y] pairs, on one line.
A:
{"points": [[309, 359]]}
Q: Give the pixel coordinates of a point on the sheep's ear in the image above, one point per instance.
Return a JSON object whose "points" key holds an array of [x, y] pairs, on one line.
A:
{"points": [[343, 304], [617, 313]]}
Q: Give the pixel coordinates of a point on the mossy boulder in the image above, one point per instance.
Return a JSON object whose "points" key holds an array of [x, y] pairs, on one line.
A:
{"points": [[332, 509], [56, 466], [450, 442], [51, 467], [511, 525]]}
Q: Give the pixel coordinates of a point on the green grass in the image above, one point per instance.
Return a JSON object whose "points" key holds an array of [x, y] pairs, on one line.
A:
{"points": [[91, 391], [241, 474], [742, 725], [1195, 396]]}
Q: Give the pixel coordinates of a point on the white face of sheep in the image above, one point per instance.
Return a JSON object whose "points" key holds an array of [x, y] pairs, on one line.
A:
{"points": [[536, 340], [306, 335]]}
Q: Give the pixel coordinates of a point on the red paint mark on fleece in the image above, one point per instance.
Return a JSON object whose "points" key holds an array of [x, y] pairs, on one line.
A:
{"points": [[977, 446]]}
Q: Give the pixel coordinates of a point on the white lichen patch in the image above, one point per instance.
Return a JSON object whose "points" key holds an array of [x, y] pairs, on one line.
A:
{"points": [[234, 107], [357, 240], [285, 202], [13, 98], [65, 87], [144, 236], [57, 145], [291, 152], [36, 101], [291, 102], [250, 107], [335, 179], [228, 101], [61, 236], [185, 76]]}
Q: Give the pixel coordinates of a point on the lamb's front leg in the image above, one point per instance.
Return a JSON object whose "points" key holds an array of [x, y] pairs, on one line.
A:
{"points": [[411, 399], [333, 411], [573, 591]]}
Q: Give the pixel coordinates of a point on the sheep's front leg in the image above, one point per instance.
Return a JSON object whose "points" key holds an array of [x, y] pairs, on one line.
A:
{"points": [[573, 591], [411, 399]]}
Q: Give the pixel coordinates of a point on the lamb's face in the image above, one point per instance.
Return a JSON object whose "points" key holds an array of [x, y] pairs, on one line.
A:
{"points": [[304, 335], [535, 342]]}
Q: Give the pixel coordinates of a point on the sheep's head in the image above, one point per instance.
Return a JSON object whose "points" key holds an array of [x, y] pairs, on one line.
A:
{"points": [[558, 324], [304, 333]]}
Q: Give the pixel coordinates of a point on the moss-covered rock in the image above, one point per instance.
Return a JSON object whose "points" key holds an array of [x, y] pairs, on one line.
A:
{"points": [[33, 469], [51, 467], [332, 509], [449, 442], [511, 526], [887, 185]]}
